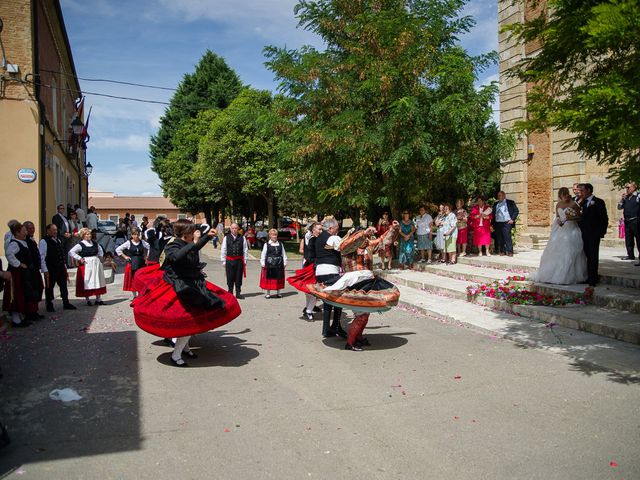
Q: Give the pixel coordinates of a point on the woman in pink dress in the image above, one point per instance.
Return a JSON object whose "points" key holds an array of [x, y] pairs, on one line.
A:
{"points": [[481, 217]]}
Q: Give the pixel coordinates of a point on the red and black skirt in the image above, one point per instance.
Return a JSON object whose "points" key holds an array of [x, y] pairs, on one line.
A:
{"points": [[269, 283], [81, 291], [303, 278], [24, 292], [160, 312], [129, 276]]}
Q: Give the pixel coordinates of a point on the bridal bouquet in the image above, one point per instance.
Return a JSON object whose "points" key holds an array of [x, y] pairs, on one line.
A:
{"points": [[571, 214]]}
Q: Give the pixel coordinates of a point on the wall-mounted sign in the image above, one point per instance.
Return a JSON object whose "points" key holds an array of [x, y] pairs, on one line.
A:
{"points": [[27, 175]]}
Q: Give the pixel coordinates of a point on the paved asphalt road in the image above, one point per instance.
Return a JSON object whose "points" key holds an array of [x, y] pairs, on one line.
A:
{"points": [[268, 398]]}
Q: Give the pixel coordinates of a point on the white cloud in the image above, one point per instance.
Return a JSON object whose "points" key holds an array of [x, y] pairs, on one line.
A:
{"points": [[136, 143], [125, 179]]}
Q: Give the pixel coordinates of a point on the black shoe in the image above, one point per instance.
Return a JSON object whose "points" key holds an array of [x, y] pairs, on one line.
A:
{"points": [[168, 341], [364, 342], [50, 308], [239, 296], [308, 315], [22, 324], [100, 302], [329, 333], [341, 332], [189, 354], [89, 303], [278, 295], [628, 258], [68, 306], [317, 309], [354, 348], [33, 317], [179, 363]]}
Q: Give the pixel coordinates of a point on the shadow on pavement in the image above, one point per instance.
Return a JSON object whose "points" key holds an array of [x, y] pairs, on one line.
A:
{"points": [[216, 349], [101, 367], [379, 341]]}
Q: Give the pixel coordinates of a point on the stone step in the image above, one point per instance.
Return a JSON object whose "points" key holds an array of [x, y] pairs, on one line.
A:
{"points": [[610, 296], [428, 282], [469, 273], [611, 273], [599, 320], [580, 346]]}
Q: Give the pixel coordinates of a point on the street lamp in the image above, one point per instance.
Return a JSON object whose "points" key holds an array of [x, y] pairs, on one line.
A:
{"points": [[77, 126], [88, 168]]}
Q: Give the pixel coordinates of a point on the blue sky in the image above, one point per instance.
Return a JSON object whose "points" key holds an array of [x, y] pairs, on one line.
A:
{"points": [[156, 42]]}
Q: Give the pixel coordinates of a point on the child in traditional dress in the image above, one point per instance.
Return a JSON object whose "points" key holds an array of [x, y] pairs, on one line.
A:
{"points": [[273, 261], [134, 252]]}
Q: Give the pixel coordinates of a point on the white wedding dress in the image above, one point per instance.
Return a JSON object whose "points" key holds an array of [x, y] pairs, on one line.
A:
{"points": [[563, 261]]}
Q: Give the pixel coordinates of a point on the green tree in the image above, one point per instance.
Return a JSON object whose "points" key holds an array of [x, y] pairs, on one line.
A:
{"points": [[180, 182], [239, 152], [213, 85], [388, 111], [586, 78]]}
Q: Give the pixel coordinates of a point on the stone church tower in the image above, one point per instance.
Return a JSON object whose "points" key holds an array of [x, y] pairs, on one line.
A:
{"points": [[541, 165]]}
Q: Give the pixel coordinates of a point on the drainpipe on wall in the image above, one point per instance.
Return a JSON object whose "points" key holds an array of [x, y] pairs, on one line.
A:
{"points": [[41, 120]]}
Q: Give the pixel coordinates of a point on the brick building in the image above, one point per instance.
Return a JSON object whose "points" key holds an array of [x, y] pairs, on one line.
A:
{"points": [[42, 163], [113, 207], [542, 164]]}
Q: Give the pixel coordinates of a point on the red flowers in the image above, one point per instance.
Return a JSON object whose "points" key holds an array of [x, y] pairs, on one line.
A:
{"points": [[519, 295]]}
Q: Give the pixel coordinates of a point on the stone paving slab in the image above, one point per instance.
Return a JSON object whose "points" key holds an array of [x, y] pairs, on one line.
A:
{"points": [[583, 346]]}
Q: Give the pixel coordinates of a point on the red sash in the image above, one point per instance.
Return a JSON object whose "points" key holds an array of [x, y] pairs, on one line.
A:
{"points": [[244, 265]]}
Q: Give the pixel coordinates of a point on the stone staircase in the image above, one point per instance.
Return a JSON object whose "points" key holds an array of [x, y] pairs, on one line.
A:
{"points": [[440, 291]]}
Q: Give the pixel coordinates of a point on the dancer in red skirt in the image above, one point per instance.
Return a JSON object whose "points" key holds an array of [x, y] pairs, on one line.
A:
{"points": [[182, 303], [136, 252], [273, 261], [306, 275], [90, 279]]}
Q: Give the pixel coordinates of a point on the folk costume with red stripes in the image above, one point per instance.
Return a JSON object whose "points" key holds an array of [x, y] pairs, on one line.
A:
{"points": [[358, 289], [233, 254]]}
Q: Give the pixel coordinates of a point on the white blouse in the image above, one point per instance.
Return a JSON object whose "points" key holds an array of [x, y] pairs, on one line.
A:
{"points": [[74, 252], [120, 250]]}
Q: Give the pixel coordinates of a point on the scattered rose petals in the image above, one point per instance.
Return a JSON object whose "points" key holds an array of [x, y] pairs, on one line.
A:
{"points": [[456, 418], [226, 430], [457, 377], [613, 464]]}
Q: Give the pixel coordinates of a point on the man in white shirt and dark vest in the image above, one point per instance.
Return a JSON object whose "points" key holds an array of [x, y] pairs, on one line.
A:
{"points": [[234, 252], [505, 213], [630, 206], [54, 268]]}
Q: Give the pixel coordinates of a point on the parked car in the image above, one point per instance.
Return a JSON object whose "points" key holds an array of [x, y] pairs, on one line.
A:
{"points": [[287, 233], [107, 227]]}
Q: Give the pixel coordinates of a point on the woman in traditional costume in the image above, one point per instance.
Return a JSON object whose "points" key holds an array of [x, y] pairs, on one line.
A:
{"points": [[462, 217], [358, 289], [386, 254], [134, 252], [90, 279], [24, 292], [306, 275], [273, 261], [177, 301]]}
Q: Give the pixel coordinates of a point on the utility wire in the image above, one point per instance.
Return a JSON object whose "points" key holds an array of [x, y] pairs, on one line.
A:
{"points": [[141, 100], [109, 81]]}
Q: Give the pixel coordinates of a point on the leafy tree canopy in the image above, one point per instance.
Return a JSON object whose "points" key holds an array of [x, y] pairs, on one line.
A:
{"points": [[585, 79], [388, 111]]}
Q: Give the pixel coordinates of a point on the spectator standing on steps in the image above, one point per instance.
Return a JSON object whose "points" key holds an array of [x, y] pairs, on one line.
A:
{"points": [[505, 212], [630, 206]]}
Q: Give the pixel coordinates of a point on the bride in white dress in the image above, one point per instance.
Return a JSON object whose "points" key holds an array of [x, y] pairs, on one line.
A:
{"points": [[563, 261]]}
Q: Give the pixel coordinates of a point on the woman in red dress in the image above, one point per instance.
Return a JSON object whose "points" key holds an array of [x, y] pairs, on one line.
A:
{"points": [[176, 300], [481, 221], [307, 275]]}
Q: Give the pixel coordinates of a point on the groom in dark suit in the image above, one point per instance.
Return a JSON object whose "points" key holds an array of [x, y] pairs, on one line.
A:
{"points": [[594, 224]]}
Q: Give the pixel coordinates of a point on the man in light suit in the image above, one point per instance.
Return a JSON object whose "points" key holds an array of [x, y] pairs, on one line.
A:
{"points": [[505, 213]]}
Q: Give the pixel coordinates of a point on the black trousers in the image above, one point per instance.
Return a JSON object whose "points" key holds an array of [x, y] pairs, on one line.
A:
{"points": [[631, 236], [504, 244], [592, 251], [327, 308], [60, 279], [234, 270]]}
